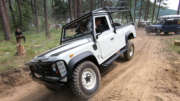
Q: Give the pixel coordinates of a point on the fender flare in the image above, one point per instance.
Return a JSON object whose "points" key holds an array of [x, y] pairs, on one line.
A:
{"points": [[77, 59], [129, 35]]}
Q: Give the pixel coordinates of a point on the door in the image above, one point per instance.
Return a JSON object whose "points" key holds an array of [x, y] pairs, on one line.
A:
{"points": [[170, 26], [105, 36]]}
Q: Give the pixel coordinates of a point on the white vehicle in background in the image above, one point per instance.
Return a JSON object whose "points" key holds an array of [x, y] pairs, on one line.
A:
{"points": [[88, 44], [143, 23]]}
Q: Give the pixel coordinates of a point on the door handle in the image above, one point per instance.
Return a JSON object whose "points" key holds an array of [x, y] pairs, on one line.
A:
{"points": [[112, 38]]}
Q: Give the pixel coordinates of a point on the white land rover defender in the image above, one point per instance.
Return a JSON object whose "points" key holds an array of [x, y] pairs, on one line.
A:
{"points": [[88, 44]]}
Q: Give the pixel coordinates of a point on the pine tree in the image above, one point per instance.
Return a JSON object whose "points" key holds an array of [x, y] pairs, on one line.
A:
{"points": [[46, 20], [154, 8], [5, 20]]}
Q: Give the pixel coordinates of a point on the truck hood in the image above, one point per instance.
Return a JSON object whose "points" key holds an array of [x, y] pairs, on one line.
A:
{"points": [[53, 53]]}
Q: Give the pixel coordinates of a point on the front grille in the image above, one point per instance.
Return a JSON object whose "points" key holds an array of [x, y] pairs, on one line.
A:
{"points": [[44, 69]]}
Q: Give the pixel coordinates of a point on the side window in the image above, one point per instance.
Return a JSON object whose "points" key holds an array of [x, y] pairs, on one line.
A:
{"points": [[101, 24]]}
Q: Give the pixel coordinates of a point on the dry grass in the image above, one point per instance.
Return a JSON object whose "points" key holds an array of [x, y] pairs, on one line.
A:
{"points": [[35, 44]]}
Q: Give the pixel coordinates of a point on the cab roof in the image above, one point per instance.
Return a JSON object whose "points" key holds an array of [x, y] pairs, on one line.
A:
{"points": [[101, 11]]}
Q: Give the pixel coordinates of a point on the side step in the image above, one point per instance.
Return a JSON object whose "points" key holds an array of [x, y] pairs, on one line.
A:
{"points": [[113, 58]]}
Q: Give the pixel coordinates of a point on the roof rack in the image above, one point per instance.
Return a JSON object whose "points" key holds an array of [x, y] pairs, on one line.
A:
{"points": [[122, 7], [111, 9]]}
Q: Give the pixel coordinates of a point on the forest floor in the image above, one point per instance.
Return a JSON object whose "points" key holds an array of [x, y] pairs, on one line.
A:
{"points": [[152, 75]]}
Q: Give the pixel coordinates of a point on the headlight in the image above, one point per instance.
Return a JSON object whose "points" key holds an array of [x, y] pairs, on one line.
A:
{"points": [[62, 68]]}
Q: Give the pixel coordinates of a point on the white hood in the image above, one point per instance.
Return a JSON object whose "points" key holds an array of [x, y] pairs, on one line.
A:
{"points": [[59, 50]]}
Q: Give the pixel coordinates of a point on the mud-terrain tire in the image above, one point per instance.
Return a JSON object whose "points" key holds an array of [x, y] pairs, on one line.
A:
{"points": [[85, 80], [128, 55]]}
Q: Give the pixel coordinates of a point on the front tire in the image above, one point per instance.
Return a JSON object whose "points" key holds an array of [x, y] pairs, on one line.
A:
{"points": [[85, 80], [128, 55]]}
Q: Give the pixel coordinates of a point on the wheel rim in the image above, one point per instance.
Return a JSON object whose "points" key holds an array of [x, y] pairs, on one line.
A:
{"points": [[89, 79], [131, 51]]}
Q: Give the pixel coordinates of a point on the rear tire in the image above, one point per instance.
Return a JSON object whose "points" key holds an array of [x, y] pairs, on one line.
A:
{"points": [[128, 55], [85, 80]]}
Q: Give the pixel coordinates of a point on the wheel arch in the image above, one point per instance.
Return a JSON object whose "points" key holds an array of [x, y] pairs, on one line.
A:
{"points": [[82, 57], [129, 36]]}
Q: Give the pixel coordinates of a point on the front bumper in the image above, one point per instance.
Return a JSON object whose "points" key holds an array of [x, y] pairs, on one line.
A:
{"points": [[49, 81], [44, 73]]}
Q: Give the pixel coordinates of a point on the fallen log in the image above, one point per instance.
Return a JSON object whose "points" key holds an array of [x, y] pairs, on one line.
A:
{"points": [[177, 42]]}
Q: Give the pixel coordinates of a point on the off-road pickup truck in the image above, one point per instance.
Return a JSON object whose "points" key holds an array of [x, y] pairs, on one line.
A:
{"points": [[166, 24], [88, 44]]}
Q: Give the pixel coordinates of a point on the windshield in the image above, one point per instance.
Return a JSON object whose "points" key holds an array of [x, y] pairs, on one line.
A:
{"points": [[121, 18], [77, 29]]}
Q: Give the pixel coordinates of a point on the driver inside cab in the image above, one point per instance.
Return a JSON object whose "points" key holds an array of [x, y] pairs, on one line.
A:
{"points": [[99, 26]]}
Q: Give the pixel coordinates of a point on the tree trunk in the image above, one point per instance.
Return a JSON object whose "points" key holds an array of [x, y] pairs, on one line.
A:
{"points": [[75, 9], [5, 20], [147, 10], [32, 8], [140, 11], [178, 11], [92, 4], [46, 20], [36, 16], [102, 3], [12, 12], [52, 3], [20, 12], [70, 9], [135, 10], [158, 10], [78, 8], [154, 8], [130, 5]]}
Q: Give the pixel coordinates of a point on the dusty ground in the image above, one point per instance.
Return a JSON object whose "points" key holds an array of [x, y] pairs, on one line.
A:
{"points": [[152, 75]]}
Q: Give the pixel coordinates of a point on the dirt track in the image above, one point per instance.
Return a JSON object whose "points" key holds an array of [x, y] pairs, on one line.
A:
{"points": [[147, 77]]}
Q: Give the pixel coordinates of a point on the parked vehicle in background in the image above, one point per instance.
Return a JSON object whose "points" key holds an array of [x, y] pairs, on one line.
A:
{"points": [[143, 24], [89, 44], [166, 24]]}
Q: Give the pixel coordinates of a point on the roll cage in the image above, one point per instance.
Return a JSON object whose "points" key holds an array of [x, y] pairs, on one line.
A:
{"points": [[106, 10]]}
